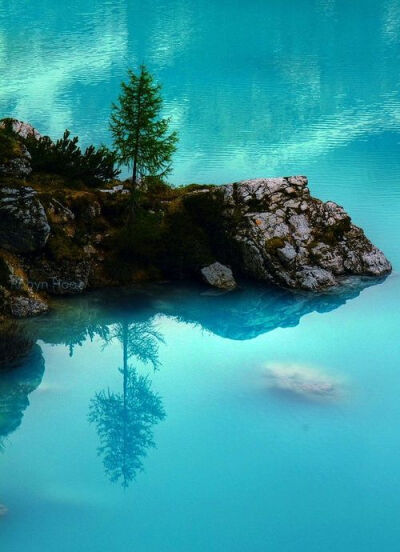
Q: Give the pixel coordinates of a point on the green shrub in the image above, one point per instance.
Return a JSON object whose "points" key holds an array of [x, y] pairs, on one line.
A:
{"points": [[64, 157]]}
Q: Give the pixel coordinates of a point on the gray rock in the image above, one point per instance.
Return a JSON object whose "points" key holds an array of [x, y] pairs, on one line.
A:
{"points": [[281, 234], [19, 166], [22, 129], [287, 253], [375, 262], [315, 278], [23, 222], [219, 276]]}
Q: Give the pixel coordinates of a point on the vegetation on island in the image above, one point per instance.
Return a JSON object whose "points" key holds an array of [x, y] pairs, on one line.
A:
{"points": [[141, 139], [131, 230], [94, 166], [63, 158]]}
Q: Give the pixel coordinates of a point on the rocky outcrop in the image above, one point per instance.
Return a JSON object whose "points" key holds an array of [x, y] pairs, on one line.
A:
{"points": [[60, 238], [23, 222], [219, 276], [280, 234]]}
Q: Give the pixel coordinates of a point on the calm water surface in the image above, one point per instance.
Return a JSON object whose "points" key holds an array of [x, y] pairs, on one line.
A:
{"points": [[147, 421]]}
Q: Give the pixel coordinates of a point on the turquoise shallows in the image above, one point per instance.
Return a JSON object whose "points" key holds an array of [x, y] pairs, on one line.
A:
{"points": [[240, 462]]}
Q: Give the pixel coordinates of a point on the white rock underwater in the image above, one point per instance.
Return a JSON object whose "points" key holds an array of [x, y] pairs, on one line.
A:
{"points": [[303, 382]]}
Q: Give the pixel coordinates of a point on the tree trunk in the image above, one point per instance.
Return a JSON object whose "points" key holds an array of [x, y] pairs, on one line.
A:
{"points": [[134, 175], [135, 156], [133, 201]]}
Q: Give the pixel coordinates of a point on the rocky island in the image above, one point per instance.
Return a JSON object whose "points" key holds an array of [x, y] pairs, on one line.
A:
{"points": [[60, 236]]}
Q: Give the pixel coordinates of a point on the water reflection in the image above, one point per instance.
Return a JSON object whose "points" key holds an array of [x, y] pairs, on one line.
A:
{"points": [[124, 420], [244, 314]]}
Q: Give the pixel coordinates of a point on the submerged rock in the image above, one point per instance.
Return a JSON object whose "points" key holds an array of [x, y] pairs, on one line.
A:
{"points": [[302, 382], [275, 231], [3, 510], [219, 276]]}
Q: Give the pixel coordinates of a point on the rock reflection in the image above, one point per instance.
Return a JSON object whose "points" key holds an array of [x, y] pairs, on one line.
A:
{"points": [[15, 387], [241, 315]]}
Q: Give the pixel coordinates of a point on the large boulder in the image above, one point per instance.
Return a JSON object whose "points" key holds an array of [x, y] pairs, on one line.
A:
{"points": [[275, 231], [219, 276], [23, 222]]}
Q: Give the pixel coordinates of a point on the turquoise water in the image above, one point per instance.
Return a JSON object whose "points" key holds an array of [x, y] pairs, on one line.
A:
{"points": [[240, 462]]}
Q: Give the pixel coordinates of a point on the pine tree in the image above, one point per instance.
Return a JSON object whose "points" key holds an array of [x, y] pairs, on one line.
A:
{"points": [[141, 136]]}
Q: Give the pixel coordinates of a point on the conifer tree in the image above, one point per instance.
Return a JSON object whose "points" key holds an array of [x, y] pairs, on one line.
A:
{"points": [[141, 137]]}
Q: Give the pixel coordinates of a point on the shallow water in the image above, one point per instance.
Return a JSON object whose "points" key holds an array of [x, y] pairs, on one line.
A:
{"points": [[253, 451]]}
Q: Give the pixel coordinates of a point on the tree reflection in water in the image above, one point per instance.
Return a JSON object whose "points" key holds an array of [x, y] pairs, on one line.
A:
{"points": [[124, 421]]}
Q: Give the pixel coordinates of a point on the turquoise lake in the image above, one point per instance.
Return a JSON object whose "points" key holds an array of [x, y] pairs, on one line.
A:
{"points": [[157, 419]]}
